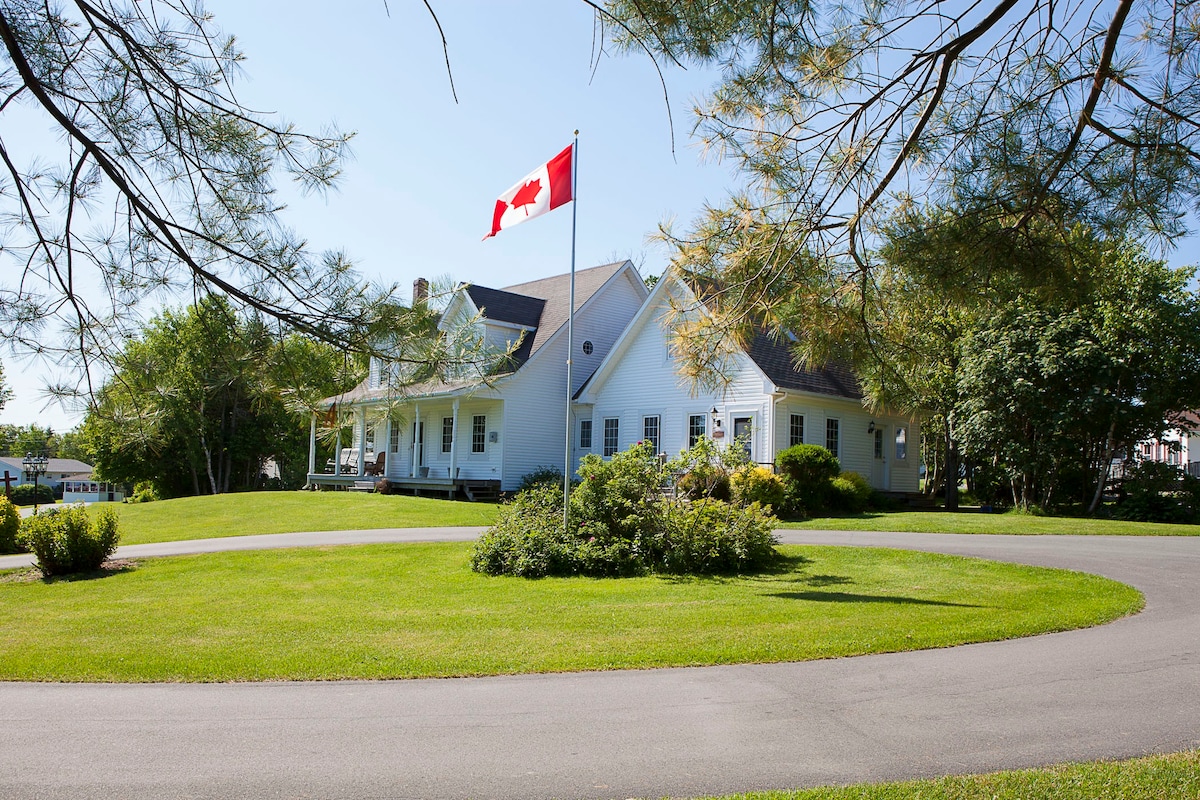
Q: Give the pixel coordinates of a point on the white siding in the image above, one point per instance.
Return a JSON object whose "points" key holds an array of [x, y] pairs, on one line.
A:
{"points": [[535, 398]]}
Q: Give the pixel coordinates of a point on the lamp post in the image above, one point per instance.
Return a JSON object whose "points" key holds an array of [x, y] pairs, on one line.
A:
{"points": [[35, 466]]}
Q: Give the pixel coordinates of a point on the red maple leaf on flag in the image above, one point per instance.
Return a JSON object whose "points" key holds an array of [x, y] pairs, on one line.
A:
{"points": [[527, 195]]}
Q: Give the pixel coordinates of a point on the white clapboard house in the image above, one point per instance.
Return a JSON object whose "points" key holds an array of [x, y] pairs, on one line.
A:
{"points": [[477, 440]]}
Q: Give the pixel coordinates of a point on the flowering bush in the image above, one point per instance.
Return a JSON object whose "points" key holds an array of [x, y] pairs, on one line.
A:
{"points": [[623, 523], [758, 485]]}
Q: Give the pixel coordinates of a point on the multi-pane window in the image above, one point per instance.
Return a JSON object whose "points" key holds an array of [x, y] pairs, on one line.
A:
{"points": [[447, 434], [879, 442], [478, 433], [796, 430], [901, 444], [394, 439], [611, 432], [585, 434], [696, 428], [833, 435], [650, 431]]}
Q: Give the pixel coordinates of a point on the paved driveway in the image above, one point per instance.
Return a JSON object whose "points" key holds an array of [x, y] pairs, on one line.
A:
{"points": [[1127, 688]]}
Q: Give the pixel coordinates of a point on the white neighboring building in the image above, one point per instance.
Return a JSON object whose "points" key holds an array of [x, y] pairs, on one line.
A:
{"points": [[57, 470], [1179, 447], [767, 404], [86, 489]]}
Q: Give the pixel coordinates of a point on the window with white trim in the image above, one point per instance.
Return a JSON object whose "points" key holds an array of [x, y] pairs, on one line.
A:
{"points": [[650, 430], [585, 434], [447, 434], [795, 430], [901, 444], [478, 433], [612, 429], [833, 436], [697, 427]]}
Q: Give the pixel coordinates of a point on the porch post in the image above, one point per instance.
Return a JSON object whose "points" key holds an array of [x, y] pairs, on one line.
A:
{"points": [[387, 444], [362, 440], [416, 436], [312, 444], [454, 442], [337, 451]]}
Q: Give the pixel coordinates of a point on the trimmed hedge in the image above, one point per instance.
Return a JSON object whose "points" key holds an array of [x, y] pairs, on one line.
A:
{"points": [[27, 493], [10, 524]]}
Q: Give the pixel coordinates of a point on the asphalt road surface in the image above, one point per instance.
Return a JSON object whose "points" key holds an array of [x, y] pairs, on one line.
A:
{"points": [[1128, 688]]}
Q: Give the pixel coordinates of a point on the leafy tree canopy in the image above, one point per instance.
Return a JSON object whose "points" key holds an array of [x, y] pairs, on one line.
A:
{"points": [[204, 396], [1025, 116]]}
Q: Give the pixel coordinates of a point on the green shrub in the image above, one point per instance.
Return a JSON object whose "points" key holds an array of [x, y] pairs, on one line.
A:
{"points": [[622, 523], [27, 494], [143, 492], [758, 485], [1157, 492], [709, 537], [548, 475], [809, 471], [65, 540], [10, 523], [851, 492], [714, 484]]}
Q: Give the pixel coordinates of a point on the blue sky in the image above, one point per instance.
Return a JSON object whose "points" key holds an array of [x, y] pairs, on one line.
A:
{"points": [[416, 198]]}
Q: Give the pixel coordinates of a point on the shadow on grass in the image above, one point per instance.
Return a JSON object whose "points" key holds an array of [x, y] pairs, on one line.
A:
{"points": [[108, 569], [780, 565], [846, 597]]}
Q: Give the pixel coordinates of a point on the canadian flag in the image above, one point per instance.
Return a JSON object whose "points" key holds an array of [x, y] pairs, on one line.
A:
{"points": [[544, 189]]}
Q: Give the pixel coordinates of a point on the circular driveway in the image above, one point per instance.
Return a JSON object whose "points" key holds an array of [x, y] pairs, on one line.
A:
{"points": [[1128, 688]]}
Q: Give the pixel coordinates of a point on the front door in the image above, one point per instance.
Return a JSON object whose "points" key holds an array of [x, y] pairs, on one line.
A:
{"points": [[743, 434], [879, 460], [419, 443]]}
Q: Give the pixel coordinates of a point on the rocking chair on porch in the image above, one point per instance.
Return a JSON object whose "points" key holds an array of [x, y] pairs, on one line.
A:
{"points": [[377, 467]]}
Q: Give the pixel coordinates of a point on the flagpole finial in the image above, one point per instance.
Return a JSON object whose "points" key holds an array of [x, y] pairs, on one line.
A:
{"points": [[577, 131]]}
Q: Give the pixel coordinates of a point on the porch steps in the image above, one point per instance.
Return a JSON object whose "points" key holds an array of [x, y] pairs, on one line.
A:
{"points": [[362, 486]]}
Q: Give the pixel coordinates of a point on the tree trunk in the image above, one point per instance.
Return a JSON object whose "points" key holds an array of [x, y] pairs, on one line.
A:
{"points": [[1105, 467], [951, 466]]}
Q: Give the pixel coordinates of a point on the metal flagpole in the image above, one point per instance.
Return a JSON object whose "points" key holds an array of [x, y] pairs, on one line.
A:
{"points": [[567, 471]]}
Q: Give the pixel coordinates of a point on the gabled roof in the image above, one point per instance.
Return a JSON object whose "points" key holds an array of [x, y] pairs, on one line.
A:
{"points": [[772, 357], [541, 307], [775, 359]]}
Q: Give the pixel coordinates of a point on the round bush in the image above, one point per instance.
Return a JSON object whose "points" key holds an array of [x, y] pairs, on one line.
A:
{"points": [[27, 494], [10, 523], [809, 470], [66, 540], [851, 492]]}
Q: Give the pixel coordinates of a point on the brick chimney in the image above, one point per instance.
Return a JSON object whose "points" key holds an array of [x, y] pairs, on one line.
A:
{"points": [[420, 291]]}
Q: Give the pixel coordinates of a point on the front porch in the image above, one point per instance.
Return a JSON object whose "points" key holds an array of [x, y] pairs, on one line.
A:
{"points": [[469, 488]]}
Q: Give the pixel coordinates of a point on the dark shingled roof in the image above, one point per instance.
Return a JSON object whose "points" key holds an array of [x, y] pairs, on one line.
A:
{"points": [[502, 306], [774, 358]]}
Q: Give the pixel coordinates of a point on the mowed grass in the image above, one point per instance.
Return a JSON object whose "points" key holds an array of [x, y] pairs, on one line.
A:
{"points": [[253, 513], [1175, 776], [416, 610], [978, 522]]}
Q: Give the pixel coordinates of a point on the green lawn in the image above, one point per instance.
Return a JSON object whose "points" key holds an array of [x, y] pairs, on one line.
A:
{"points": [[287, 512], [401, 611], [1162, 777], [976, 522]]}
